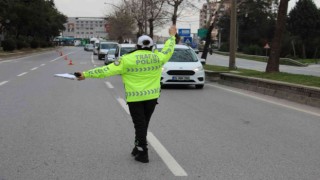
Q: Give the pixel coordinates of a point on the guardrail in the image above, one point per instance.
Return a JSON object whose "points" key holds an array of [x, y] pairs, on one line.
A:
{"points": [[292, 92]]}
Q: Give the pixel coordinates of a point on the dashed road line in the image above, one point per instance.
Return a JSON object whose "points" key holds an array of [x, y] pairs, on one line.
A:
{"points": [[123, 104], [22, 74], [34, 68], [42, 64], [109, 85], [3, 82], [92, 60]]}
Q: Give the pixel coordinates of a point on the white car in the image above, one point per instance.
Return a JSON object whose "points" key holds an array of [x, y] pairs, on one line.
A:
{"points": [[184, 67], [110, 56]]}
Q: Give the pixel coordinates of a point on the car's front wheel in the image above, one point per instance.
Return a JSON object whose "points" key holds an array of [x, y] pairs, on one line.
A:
{"points": [[199, 86]]}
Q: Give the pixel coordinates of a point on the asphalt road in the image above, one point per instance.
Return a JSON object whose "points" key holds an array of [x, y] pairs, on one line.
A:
{"points": [[58, 129], [216, 59]]}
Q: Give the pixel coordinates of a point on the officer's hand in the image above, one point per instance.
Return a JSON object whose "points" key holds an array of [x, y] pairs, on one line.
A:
{"points": [[173, 30], [79, 76]]}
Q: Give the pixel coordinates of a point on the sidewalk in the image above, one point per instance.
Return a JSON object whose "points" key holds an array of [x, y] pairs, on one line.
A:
{"points": [[23, 52]]}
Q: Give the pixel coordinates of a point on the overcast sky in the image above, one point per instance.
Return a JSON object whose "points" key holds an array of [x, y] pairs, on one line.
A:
{"points": [[98, 8]]}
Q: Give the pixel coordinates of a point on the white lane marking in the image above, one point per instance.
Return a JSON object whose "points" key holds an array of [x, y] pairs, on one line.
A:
{"points": [[123, 104], [42, 64], [3, 82], [172, 164], [109, 85], [22, 74], [34, 68], [93, 60], [265, 100]]}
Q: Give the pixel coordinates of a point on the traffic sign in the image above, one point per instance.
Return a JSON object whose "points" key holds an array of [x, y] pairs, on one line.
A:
{"points": [[202, 33], [267, 46], [187, 40], [184, 32]]}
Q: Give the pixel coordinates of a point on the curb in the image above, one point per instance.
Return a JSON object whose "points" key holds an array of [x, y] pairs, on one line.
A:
{"points": [[293, 92]]}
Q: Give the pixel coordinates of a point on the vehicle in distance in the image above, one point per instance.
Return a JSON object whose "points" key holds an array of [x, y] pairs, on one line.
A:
{"points": [[104, 48], [95, 47], [110, 56], [184, 67], [88, 47], [119, 51]]}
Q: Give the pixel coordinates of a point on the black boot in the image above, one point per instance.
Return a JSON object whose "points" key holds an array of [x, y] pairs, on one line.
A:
{"points": [[142, 155], [134, 151]]}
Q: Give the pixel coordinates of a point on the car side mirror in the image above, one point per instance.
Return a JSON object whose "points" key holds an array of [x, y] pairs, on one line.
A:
{"points": [[203, 61]]}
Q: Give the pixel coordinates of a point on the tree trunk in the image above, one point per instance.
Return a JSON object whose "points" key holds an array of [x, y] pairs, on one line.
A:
{"points": [[273, 62], [151, 27], [208, 41], [303, 50], [293, 48], [174, 21]]}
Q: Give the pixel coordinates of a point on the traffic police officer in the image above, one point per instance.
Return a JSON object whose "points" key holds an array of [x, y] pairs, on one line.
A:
{"points": [[141, 73]]}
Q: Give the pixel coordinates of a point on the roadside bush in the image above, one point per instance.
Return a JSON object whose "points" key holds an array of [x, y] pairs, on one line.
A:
{"points": [[224, 47], [8, 45], [253, 50], [22, 44], [43, 44], [34, 44]]}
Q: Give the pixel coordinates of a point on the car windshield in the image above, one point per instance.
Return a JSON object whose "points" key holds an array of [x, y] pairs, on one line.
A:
{"points": [[108, 46], [112, 51], [90, 45], [183, 55], [125, 50]]}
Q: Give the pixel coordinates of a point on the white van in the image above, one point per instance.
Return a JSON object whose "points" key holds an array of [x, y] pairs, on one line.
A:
{"points": [[104, 48], [114, 54]]}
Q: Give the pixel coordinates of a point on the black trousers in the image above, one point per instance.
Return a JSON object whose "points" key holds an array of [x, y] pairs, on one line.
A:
{"points": [[141, 113]]}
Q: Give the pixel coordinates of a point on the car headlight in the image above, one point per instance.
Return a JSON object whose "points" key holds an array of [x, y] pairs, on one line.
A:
{"points": [[200, 68]]}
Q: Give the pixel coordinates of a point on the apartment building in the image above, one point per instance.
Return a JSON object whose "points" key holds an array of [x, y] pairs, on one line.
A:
{"points": [[86, 27], [209, 11]]}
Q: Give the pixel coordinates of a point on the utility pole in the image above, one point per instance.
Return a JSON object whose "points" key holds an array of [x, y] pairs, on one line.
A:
{"points": [[233, 32]]}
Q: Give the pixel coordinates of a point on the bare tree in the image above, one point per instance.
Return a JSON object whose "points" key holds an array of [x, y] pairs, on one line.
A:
{"points": [[122, 24], [155, 11], [210, 24], [273, 61], [175, 4]]}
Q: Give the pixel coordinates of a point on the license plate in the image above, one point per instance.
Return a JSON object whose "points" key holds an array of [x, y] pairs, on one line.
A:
{"points": [[180, 78]]}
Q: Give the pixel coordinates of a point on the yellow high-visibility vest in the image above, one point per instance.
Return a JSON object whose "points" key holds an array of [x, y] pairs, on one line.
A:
{"points": [[140, 71]]}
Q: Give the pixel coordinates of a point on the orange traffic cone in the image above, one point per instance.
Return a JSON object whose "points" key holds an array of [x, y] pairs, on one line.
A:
{"points": [[70, 62], [66, 57]]}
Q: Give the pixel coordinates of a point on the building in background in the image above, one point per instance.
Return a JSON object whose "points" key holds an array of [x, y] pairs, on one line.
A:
{"points": [[86, 27], [212, 8]]}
